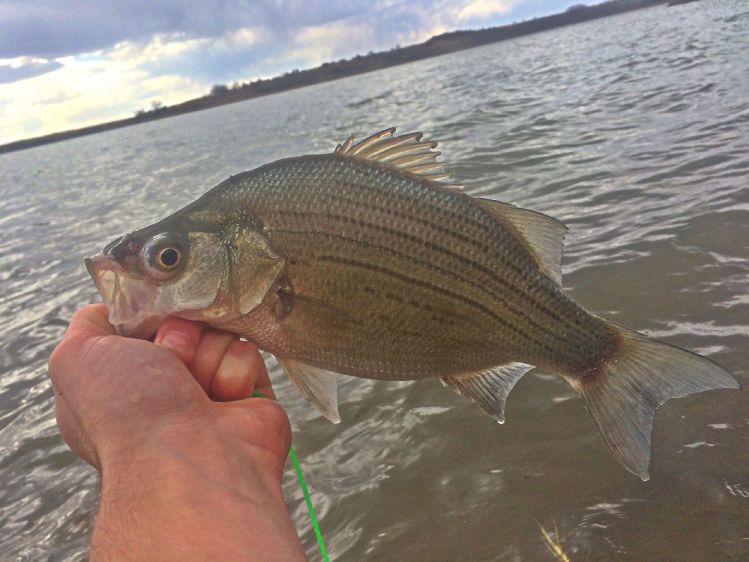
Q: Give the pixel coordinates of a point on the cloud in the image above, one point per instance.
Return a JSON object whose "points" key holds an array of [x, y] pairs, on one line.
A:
{"points": [[316, 44], [51, 28], [209, 60], [85, 92], [485, 8], [25, 67], [63, 67]]}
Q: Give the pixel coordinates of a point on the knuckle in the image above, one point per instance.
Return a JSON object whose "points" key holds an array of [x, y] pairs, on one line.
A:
{"points": [[264, 423], [53, 364], [273, 415], [61, 358]]}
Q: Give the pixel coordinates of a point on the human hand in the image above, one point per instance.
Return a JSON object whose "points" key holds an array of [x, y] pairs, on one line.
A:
{"points": [[191, 466], [114, 395]]}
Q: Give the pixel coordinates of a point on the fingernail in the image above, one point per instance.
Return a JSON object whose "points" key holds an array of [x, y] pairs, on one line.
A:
{"points": [[175, 341]]}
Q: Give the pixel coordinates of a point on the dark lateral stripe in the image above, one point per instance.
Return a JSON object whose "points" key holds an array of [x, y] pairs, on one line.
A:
{"points": [[358, 177], [355, 179], [415, 192], [366, 206], [416, 195], [445, 292], [462, 259], [424, 285], [471, 241]]}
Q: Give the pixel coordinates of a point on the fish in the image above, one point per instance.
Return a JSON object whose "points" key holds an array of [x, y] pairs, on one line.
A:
{"points": [[370, 261]]}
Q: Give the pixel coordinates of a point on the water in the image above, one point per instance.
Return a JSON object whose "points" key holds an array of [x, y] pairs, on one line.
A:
{"points": [[634, 130]]}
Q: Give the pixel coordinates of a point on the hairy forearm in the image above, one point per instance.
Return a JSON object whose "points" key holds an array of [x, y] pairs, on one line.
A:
{"points": [[193, 498]]}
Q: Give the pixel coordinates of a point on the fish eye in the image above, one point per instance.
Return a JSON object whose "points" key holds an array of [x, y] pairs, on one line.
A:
{"points": [[169, 257], [162, 256]]}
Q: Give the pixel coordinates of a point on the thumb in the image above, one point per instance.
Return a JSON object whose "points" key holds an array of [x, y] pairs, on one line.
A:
{"points": [[262, 423]]}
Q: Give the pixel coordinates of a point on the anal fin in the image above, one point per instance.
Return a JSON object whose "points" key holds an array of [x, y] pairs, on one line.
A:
{"points": [[317, 385], [489, 389]]}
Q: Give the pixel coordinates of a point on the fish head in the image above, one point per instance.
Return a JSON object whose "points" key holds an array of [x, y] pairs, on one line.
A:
{"points": [[209, 269], [166, 269]]}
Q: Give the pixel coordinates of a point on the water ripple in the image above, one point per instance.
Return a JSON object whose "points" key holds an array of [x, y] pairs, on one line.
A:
{"points": [[634, 130]]}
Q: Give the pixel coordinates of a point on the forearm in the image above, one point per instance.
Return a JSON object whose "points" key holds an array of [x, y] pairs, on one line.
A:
{"points": [[193, 498]]}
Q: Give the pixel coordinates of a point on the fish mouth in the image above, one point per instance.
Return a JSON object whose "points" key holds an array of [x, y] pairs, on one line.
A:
{"points": [[131, 302]]}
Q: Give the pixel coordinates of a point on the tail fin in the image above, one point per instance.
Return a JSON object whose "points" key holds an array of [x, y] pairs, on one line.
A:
{"points": [[625, 391]]}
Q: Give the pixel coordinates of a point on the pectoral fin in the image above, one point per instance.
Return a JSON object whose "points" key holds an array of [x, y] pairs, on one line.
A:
{"points": [[489, 389], [316, 385]]}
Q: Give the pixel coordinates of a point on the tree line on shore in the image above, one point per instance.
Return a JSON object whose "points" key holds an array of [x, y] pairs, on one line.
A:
{"points": [[221, 94]]}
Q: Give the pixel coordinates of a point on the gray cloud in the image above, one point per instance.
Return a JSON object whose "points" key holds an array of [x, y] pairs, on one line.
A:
{"points": [[13, 74], [54, 28], [390, 21], [48, 29]]}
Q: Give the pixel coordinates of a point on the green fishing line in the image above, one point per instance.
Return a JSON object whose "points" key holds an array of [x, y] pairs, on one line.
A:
{"points": [[307, 498], [308, 501]]}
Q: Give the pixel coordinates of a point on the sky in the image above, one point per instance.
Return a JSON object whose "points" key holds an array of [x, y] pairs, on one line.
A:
{"points": [[70, 63]]}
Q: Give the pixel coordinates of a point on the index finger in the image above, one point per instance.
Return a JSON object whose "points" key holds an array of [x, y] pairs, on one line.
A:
{"points": [[241, 373]]}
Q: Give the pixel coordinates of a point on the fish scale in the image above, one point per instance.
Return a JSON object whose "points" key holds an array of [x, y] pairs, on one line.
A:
{"points": [[369, 262], [307, 198]]}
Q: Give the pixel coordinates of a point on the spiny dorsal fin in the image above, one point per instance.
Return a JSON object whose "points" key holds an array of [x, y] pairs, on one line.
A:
{"points": [[405, 152], [544, 235], [489, 389]]}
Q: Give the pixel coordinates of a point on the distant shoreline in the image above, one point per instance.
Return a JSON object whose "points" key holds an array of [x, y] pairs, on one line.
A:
{"points": [[360, 64]]}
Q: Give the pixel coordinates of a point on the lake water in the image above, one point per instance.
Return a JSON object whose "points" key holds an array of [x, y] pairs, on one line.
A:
{"points": [[634, 130]]}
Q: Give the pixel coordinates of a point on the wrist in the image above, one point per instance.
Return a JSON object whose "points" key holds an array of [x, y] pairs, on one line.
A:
{"points": [[198, 487], [183, 451]]}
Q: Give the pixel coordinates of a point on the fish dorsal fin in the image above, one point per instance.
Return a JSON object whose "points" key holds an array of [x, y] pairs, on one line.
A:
{"points": [[317, 385], [405, 152], [543, 235], [489, 389]]}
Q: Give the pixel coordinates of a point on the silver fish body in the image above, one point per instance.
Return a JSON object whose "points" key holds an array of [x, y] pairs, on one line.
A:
{"points": [[365, 262], [380, 260]]}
